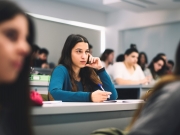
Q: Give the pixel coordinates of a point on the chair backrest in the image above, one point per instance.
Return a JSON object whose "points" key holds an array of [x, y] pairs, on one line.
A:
{"points": [[108, 131], [44, 97]]}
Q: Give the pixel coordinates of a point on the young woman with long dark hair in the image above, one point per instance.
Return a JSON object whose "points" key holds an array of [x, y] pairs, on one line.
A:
{"points": [[155, 69], [79, 75], [142, 60]]}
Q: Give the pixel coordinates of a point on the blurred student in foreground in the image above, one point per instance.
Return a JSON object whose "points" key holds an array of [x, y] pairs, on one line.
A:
{"points": [[76, 79], [156, 69], [129, 72], [160, 114], [16, 36]]}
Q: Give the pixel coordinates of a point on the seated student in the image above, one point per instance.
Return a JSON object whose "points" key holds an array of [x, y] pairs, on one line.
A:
{"points": [[129, 72], [156, 69], [160, 114], [15, 40], [142, 60], [34, 54], [76, 81], [107, 60], [171, 66], [162, 55], [42, 59]]}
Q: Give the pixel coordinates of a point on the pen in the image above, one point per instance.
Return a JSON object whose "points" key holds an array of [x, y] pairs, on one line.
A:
{"points": [[103, 89]]}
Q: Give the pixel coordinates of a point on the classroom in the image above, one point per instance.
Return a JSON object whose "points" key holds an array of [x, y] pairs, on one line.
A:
{"points": [[89, 67]]}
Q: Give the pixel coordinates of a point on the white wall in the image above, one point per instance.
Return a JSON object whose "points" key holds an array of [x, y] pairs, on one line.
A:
{"points": [[154, 39], [123, 20], [60, 10], [114, 22]]}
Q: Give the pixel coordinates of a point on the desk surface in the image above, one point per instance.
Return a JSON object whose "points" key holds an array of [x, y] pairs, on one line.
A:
{"points": [[81, 118], [76, 107], [45, 83]]}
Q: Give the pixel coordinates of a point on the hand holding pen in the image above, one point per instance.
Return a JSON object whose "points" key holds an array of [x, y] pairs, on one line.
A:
{"points": [[103, 89]]}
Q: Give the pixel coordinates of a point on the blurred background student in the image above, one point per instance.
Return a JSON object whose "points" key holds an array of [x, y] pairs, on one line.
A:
{"points": [[156, 69], [120, 58], [107, 58], [34, 54], [90, 48], [163, 55], [16, 38], [129, 72], [143, 60], [41, 61], [171, 66]]}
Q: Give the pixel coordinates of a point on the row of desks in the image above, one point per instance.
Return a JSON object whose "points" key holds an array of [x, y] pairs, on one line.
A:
{"points": [[82, 118]]}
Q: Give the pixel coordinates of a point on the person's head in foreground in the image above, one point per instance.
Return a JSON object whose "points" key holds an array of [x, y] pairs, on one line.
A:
{"points": [[16, 36]]}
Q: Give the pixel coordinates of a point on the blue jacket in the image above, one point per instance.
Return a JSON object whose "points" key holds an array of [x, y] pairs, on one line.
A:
{"points": [[60, 86]]}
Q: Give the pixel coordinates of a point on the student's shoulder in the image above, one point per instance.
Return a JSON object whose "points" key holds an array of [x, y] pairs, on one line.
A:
{"points": [[118, 64], [169, 93], [172, 88], [138, 67], [61, 68]]}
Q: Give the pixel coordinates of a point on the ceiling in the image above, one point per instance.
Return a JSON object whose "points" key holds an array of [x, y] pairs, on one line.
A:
{"points": [[108, 6]]}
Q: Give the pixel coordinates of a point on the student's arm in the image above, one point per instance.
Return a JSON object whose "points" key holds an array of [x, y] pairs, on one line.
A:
{"points": [[160, 115], [56, 85], [107, 84]]}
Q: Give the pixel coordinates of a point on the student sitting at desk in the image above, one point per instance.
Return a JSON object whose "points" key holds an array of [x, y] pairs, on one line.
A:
{"points": [[76, 81], [107, 60], [156, 69], [129, 72]]}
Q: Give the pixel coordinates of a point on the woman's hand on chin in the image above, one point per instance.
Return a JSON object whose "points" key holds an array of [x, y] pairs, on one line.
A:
{"points": [[94, 62]]}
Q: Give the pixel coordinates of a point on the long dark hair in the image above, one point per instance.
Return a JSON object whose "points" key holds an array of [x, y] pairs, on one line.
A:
{"points": [[105, 54], [151, 67], [139, 60], [164, 81], [88, 75], [14, 97]]}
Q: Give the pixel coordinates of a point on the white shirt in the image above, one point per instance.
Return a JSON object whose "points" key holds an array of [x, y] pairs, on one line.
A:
{"points": [[108, 69], [120, 71]]}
